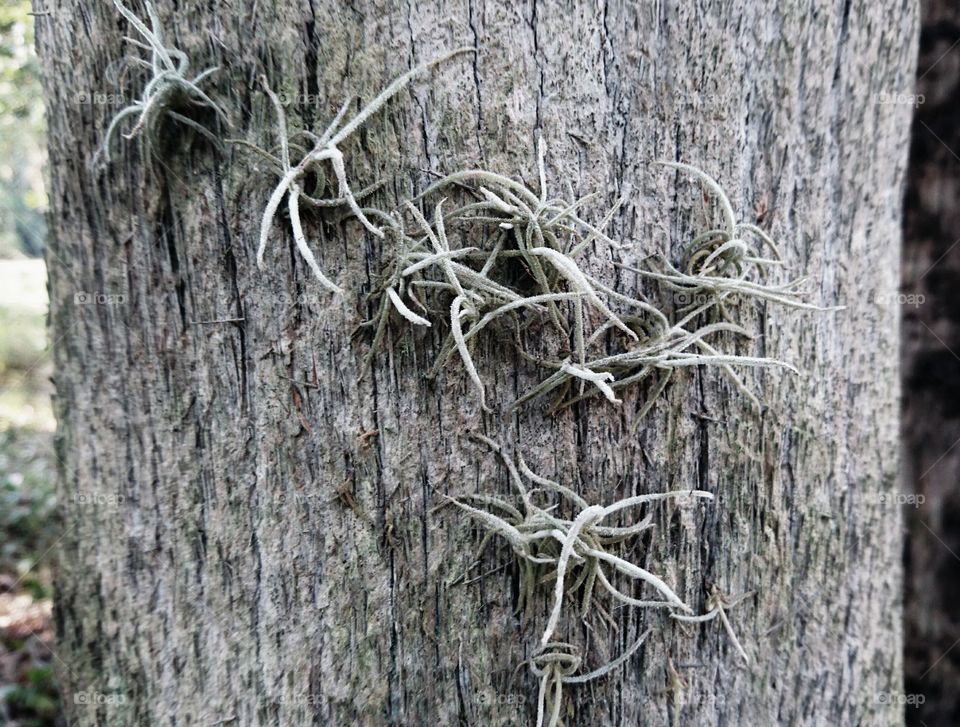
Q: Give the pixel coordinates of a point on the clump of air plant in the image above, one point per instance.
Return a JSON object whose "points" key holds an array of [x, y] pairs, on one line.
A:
{"points": [[721, 267], [469, 286], [325, 149], [170, 88], [721, 264], [573, 554], [524, 266], [662, 350], [570, 551]]}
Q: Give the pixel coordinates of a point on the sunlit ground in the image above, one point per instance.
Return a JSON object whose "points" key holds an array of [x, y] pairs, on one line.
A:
{"points": [[28, 694]]}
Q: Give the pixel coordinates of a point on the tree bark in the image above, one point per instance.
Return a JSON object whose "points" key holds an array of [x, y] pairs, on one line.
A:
{"points": [[249, 535]]}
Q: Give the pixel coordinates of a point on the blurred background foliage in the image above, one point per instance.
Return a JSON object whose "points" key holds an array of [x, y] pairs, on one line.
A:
{"points": [[28, 663], [22, 155]]}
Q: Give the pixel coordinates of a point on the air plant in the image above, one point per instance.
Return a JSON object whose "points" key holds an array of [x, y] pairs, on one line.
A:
{"points": [[575, 555], [169, 88], [720, 264], [537, 235], [325, 149], [545, 541], [720, 267], [662, 351], [507, 221]]}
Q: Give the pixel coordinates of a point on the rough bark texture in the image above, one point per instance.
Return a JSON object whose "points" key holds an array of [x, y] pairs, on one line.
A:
{"points": [[271, 563], [931, 370]]}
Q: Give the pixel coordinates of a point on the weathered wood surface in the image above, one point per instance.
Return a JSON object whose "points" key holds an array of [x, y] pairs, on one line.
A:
{"points": [[236, 580]]}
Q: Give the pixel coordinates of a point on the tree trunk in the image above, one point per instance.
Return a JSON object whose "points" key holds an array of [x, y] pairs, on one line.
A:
{"points": [[249, 526]]}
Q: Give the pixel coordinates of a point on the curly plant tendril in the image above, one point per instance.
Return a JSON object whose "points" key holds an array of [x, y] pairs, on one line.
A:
{"points": [[556, 664], [169, 87], [325, 149], [717, 603]]}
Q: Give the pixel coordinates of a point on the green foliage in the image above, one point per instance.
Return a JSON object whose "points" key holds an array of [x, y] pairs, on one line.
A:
{"points": [[28, 525], [35, 702], [26, 515], [22, 342], [22, 128]]}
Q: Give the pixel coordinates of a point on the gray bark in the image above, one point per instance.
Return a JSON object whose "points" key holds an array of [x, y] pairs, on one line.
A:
{"points": [[266, 561]]}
